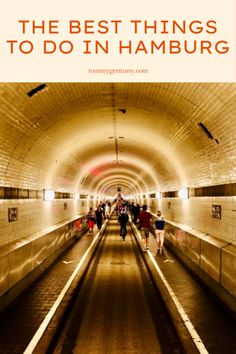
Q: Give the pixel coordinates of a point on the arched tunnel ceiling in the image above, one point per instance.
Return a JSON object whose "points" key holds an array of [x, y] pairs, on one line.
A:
{"points": [[91, 137]]}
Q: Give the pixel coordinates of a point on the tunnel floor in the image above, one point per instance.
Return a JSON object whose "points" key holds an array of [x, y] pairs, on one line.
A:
{"points": [[135, 306], [118, 309]]}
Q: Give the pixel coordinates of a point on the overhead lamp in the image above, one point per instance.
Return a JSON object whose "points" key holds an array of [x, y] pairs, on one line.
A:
{"points": [[49, 194], [183, 193], [35, 90]]}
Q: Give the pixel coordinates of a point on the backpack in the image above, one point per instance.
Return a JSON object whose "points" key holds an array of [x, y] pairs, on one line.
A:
{"points": [[160, 224], [123, 218]]}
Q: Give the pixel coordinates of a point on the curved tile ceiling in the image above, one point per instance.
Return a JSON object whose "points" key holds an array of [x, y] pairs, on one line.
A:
{"points": [[94, 137]]}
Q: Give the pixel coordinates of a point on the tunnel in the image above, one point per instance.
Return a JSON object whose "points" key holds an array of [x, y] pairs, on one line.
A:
{"points": [[66, 147]]}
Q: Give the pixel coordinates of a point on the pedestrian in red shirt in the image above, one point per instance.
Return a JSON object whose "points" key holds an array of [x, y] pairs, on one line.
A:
{"points": [[145, 219], [91, 219]]}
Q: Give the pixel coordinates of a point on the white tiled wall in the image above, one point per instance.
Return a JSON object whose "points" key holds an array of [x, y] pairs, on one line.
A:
{"points": [[197, 214], [35, 215]]}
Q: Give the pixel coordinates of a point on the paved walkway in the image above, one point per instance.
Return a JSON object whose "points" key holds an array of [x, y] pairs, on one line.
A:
{"points": [[214, 325], [18, 325]]}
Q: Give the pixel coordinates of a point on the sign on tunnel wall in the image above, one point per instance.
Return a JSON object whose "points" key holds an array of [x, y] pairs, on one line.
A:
{"points": [[12, 214], [216, 211]]}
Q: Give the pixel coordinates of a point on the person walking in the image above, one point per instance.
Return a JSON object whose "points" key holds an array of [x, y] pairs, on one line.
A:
{"points": [[91, 219], [136, 212], [160, 232], [99, 217], [132, 211], [145, 219], [123, 220], [107, 210]]}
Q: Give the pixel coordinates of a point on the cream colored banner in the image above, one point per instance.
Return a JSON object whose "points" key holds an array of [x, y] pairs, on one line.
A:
{"points": [[123, 41]]}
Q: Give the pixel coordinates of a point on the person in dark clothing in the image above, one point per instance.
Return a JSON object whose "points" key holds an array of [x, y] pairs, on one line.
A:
{"points": [[99, 217], [123, 220], [136, 213], [132, 211], [103, 206]]}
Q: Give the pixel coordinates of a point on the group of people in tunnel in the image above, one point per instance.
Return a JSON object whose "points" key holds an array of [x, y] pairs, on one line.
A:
{"points": [[144, 219], [97, 216], [139, 215]]}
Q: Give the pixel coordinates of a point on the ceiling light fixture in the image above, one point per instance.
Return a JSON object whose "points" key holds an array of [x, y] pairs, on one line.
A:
{"points": [[36, 90]]}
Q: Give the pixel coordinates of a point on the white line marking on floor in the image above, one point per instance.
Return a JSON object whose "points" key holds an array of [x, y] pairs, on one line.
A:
{"points": [[168, 260], [68, 262], [37, 336], [188, 324]]}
